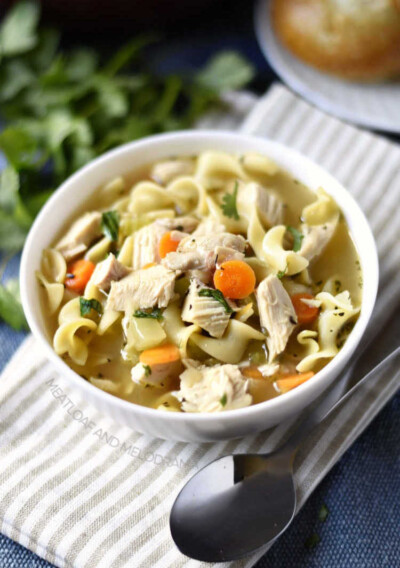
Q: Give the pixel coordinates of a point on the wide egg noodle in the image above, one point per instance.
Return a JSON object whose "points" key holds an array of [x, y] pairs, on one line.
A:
{"points": [[231, 347], [335, 312], [74, 333], [286, 261], [54, 292], [148, 196], [189, 195]]}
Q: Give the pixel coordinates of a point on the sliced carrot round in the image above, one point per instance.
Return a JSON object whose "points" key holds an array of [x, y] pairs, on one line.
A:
{"points": [[148, 265], [305, 313], [166, 245], [235, 279], [78, 275], [166, 353], [252, 372], [289, 382]]}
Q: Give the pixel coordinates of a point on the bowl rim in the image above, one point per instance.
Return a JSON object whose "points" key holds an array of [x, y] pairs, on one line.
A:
{"points": [[353, 210]]}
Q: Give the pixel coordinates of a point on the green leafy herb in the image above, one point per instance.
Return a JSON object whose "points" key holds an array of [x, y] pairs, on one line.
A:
{"points": [[18, 31], [147, 370], [223, 400], [65, 107], [228, 70], [297, 236], [10, 305], [110, 224], [154, 314], [229, 203], [87, 305], [217, 296], [312, 541], [323, 513], [282, 273]]}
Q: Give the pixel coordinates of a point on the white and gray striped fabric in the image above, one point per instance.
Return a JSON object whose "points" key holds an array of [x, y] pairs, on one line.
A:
{"points": [[83, 492]]}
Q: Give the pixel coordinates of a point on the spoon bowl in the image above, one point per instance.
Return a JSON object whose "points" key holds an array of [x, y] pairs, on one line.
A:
{"points": [[242, 501]]}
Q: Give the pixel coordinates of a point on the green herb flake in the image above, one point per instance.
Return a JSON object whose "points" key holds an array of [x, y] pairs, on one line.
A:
{"points": [[110, 224], [229, 204], [86, 306], [312, 541], [218, 296], [323, 513], [223, 400], [147, 370], [282, 273], [156, 313], [338, 285], [297, 236]]}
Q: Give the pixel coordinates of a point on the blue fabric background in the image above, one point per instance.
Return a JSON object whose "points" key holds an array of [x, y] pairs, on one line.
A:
{"points": [[362, 492]]}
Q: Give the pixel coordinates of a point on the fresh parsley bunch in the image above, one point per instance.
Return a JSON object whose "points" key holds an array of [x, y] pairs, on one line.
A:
{"points": [[64, 108]]}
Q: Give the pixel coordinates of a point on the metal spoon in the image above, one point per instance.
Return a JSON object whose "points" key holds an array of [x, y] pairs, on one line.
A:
{"points": [[240, 503]]}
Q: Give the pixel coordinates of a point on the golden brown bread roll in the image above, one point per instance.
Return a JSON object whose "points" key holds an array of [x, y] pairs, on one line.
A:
{"points": [[356, 39]]}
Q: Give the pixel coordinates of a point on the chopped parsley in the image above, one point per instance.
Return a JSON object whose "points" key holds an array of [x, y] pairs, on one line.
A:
{"points": [[147, 370], [282, 273], [297, 236], [229, 204], [86, 306], [323, 513], [217, 296], [223, 400], [338, 285], [110, 224], [154, 314]]}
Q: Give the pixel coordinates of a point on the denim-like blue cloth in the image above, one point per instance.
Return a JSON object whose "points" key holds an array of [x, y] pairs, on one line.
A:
{"points": [[362, 492]]}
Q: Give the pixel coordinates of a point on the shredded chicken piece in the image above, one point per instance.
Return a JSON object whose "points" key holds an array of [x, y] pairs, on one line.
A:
{"points": [[213, 389], [316, 237], [156, 376], [206, 312], [145, 288], [80, 236], [277, 314], [270, 207], [145, 245], [107, 271], [209, 226], [185, 224], [201, 253]]}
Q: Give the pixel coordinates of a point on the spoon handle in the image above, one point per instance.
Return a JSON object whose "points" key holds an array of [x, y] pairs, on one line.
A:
{"points": [[325, 408]]}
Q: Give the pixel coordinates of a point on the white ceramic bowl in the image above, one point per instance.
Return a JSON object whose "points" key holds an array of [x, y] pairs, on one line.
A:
{"points": [[193, 427]]}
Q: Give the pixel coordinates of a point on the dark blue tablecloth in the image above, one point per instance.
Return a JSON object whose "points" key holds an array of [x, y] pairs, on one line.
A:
{"points": [[362, 492]]}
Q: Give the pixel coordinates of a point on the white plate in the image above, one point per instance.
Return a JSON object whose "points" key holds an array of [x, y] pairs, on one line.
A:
{"points": [[376, 106]]}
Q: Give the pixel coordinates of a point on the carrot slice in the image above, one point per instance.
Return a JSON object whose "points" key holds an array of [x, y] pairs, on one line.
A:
{"points": [[305, 313], [235, 279], [166, 245], [148, 265], [289, 382], [78, 275], [252, 372], [160, 355]]}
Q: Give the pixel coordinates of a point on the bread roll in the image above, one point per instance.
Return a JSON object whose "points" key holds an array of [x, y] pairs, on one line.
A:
{"points": [[356, 39]]}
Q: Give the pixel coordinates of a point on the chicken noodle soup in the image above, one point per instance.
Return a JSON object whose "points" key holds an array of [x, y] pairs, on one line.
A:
{"points": [[202, 284]]}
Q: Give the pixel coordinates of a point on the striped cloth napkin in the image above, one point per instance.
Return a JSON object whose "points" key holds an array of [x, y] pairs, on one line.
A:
{"points": [[84, 492]]}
